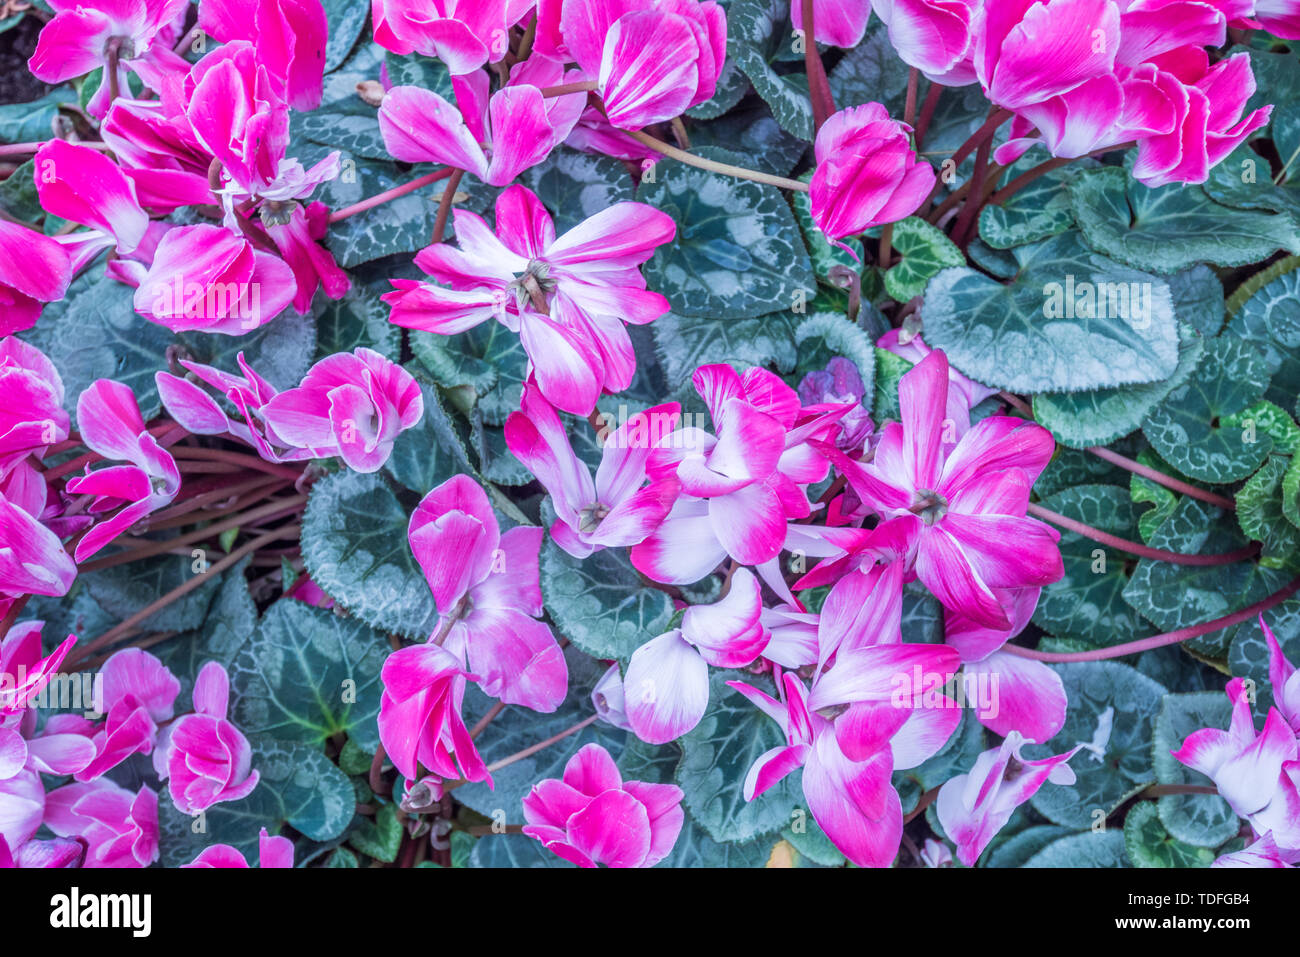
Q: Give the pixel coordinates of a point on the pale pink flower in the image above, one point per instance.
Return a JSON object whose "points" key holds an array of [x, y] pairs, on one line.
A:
{"points": [[120, 828]]}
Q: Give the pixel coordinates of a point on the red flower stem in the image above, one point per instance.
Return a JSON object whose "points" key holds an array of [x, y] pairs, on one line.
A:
{"points": [[1159, 641], [243, 459], [269, 484], [526, 42], [1164, 790], [12, 614], [148, 641], [118, 631], [690, 159], [146, 549], [984, 134], [444, 206], [70, 466], [380, 198], [967, 220], [926, 800], [1024, 179], [377, 782], [886, 250], [1160, 478], [481, 725], [819, 88], [204, 467], [927, 112], [1135, 548], [564, 89], [22, 149], [909, 106]]}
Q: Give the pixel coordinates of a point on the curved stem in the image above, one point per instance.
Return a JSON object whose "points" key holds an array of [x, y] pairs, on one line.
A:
{"points": [[971, 209], [1160, 478], [389, 194], [690, 159], [1159, 641], [564, 89], [1164, 790], [927, 112], [236, 458], [444, 206], [1136, 548], [1024, 179]]}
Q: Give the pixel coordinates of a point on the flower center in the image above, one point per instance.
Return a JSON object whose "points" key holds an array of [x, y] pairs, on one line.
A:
{"points": [[121, 47], [930, 506], [534, 285], [589, 518], [1013, 770], [276, 212]]}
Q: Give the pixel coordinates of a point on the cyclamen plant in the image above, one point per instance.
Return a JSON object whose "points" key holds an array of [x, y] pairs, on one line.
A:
{"points": [[644, 433]]}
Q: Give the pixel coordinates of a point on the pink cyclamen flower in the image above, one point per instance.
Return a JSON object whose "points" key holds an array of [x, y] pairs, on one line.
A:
{"points": [[120, 828], [81, 35], [57, 853], [350, 404], [1257, 773], [740, 487], [591, 816], [272, 852], [652, 59], [566, 297], [31, 403], [935, 36], [158, 151], [34, 270], [867, 172], [290, 37], [33, 560], [206, 759], [1032, 50], [840, 23], [139, 696], [840, 383], [1262, 853], [973, 807], [111, 426], [463, 34], [210, 279], [419, 715], [495, 137], [617, 508], [1279, 17], [24, 667], [25, 755], [963, 393], [961, 513], [666, 688], [83, 185]]}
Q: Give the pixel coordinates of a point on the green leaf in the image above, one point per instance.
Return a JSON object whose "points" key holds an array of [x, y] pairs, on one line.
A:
{"points": [[1245, 181], [1088, 601], [1198, 299], [1112, 707], [1269, 321], [890, 368], [1274, 422], [1201, 820], [354, 544], [1185, 427], [1100, 416], [1259, 513], [1038, 211], [754, 133], [122, 590], [731, 89], [357, 320], [489, 359], [716, 756], [18, 196], [379, 837], [1018, 849], [401, 225], [926, 251], [758, 33], [426, 456], [1179, 596], [825, 335], [1106, 326], [575, 186], [1149, 845], [513, 851], [1248, 654], [346, 20], [737, 254], [308, 674], [316, 796], [1172, 227], [684, 343], [601, 603], [1090, 849], [25, 122], [871, 73]]}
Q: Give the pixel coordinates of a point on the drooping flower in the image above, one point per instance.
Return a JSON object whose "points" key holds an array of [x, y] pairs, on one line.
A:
{"points": [[652, 59], [120, 829], [591, 816], [617, 508], [33, 560], [84, 186], [960, 513], [203, 757], [566, 297], [80, 36], [740, 487], [290, 37], [867, 172], [111, 425], [973, 807], [420, 724], [209, 279], [272, 852], [34, 269], [139, 696], [24, 667], [350, 404], [463, 34], [666, 688], [1262, 853], [935, 36]]}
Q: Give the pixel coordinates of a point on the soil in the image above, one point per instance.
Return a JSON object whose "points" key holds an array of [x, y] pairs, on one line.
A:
{"points": [[17, 85]]}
